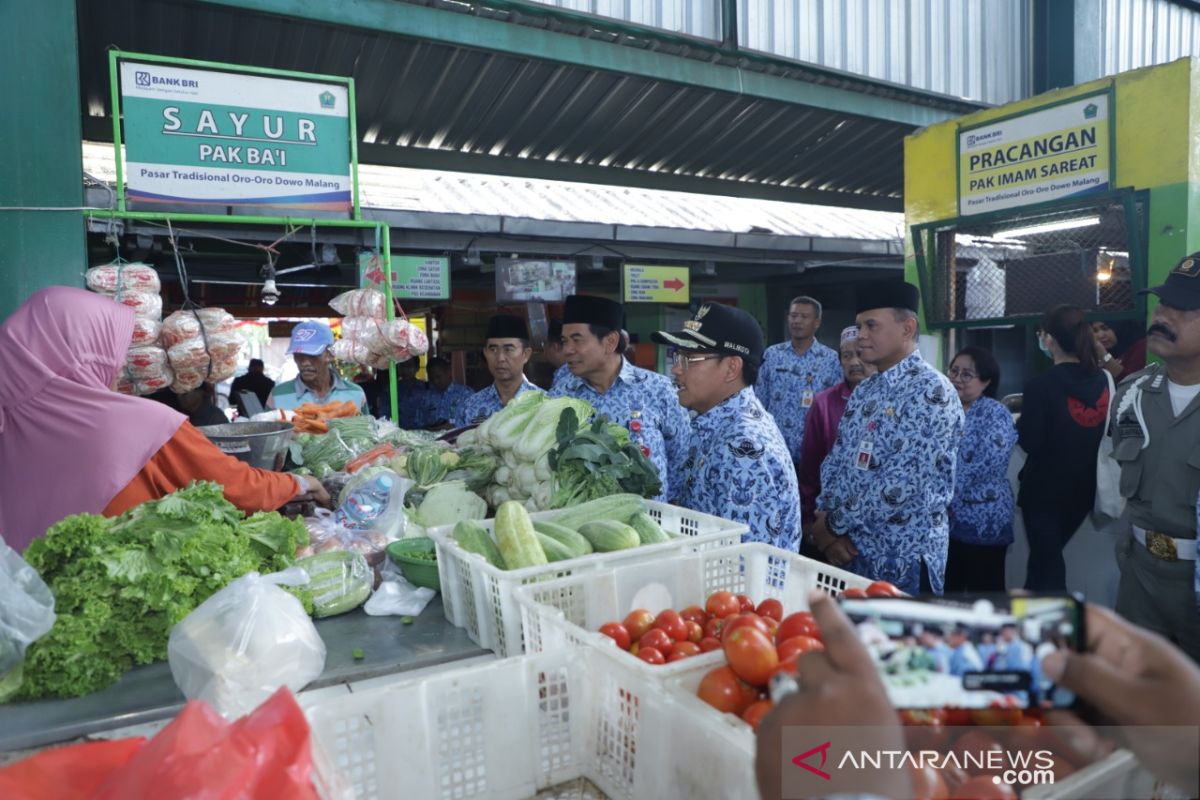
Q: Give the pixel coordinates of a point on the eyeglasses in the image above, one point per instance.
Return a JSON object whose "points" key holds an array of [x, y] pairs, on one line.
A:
{"points": [[965, 374], [681, 361]]}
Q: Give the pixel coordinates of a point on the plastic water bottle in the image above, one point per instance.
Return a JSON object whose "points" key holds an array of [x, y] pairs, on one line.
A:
{"points": [[366, 504]]}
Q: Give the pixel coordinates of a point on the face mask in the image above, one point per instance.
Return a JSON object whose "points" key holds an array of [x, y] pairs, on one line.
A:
{"points": [[1042, 346]]}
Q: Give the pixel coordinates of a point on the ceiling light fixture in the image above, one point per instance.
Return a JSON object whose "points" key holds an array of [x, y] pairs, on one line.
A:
{"points": [[1050, 227]]}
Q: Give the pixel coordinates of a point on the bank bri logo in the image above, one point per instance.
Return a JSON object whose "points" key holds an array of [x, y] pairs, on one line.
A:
{"points": [[142, 78]]}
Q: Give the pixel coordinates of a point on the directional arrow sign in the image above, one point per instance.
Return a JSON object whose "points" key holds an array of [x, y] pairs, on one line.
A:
{"points": [[647, 284]]}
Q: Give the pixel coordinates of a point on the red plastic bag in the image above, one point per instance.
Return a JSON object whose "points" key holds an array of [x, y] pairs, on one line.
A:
{"points": [[263, 756], [66, 773]]}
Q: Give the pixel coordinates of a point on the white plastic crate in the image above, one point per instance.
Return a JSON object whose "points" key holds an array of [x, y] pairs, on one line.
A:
{"points": [[479, 597], [569, 611], [545, 725]]}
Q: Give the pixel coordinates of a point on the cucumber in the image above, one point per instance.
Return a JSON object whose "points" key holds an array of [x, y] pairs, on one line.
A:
{"points": [[554, 549], [474, 538], [574, 541], [338, 580], [648, 529], [607, 535], [614, 507], [516, 538]]}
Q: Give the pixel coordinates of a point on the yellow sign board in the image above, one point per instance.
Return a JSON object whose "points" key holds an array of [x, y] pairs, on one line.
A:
{"points": [[646, 284], [1050, 153]]}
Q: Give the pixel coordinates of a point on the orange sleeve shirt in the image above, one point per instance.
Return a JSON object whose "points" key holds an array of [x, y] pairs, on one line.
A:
{"points": [[189, 456]]}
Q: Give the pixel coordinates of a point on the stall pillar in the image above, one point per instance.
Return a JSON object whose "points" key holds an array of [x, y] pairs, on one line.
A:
{"points": [[42, 164]]}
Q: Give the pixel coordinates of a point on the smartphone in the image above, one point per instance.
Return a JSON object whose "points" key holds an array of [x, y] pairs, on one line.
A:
{"points": [[981, 651]]}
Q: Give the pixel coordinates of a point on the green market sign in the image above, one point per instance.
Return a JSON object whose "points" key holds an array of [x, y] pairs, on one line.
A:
{"points": [[234, 138], [1058, 151], [413, 277]]}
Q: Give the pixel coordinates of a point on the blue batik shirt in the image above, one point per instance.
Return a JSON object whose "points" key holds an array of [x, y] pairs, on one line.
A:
{"points": [[446, 406], [560, 374], [647, 405], [486, 402], [739, 468], [788, 383], [413, 404], [982, 509], [889, 480]]}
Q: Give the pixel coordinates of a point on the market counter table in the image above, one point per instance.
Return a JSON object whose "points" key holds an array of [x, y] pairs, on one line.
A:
{"points": [[147, 694]]}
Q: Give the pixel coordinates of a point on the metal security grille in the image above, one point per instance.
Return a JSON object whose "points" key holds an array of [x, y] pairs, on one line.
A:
{"points": [[1007, 270]]}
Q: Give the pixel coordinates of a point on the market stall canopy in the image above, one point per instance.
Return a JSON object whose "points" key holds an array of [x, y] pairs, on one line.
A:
{"points": [[507, 88]]}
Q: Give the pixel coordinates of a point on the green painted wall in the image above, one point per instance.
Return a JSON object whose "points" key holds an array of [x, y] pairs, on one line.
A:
{"points": [[42, 163]]}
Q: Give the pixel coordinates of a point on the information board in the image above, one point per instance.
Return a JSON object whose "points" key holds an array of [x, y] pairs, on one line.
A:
{"points": [[647, 284]]}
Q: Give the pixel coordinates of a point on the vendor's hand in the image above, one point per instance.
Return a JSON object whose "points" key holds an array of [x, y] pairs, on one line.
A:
{"points": [[840, 551], [1135, 677], [839, 687], [316, 491]]}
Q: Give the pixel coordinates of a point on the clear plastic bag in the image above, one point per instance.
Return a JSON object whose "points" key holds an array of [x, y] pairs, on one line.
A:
{"points": [[375, 342], [243, 643], [184, 325], [361, 303], [325, 534], [197, 360], [120, 278], [146, 305], [26, 614], [374, 500]]}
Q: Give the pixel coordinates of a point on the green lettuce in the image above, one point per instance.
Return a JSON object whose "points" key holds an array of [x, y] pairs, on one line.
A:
{"points": [[120, 585]]}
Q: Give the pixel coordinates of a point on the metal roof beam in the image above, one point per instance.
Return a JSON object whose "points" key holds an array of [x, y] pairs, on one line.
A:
{"points": [[428, 158], [465, 30]]}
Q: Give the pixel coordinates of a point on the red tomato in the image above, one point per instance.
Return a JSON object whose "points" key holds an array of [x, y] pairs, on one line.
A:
{"points": [[799, 624], [633, 649], [745, 602], [982, 788], [715, 627], [709, 643], [751, 655], [673, 624], [797, 645], [638, 622], [695, 632], [684, 650], [659, 639], [651, 655], [694, 614], [616, 631], [853, 594], [724, 691], [772, 626], [770, 608], [927, 784], [747, 620], [722, 604], [789, 665], [756, 711], [883, 589]]}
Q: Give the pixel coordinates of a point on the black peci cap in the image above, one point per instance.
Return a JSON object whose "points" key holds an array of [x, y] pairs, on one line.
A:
{"points": [[886, 294], [507, 326], [584, 309], [718, 328]]}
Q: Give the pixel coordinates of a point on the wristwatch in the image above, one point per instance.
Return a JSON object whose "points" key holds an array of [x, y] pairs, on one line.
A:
{"points": [[1107, 358]]}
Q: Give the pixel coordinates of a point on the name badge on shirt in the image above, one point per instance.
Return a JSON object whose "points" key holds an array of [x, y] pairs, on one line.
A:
{"points": [[806, 399], [863, 460]]}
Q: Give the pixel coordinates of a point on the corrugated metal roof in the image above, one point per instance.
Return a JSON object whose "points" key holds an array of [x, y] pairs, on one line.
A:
{"points": [[429, 104], [404, 189]]}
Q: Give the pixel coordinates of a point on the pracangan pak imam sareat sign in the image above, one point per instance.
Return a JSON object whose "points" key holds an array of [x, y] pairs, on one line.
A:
{"points": [[1046, 154], [208, 137]]}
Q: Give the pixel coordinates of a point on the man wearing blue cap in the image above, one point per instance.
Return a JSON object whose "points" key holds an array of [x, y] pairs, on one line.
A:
{"points": [[317, 382]]}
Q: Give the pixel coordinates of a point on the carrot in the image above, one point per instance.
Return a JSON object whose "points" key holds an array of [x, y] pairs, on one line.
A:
{"points": [[318, 426], [383, 450]]}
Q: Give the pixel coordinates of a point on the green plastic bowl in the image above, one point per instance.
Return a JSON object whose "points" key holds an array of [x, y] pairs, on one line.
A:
{"points": [[418, 571]]}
